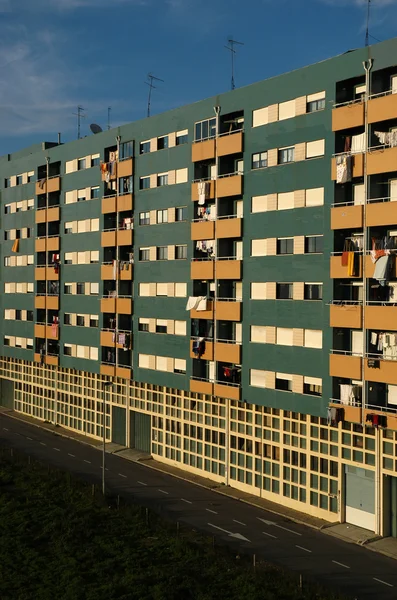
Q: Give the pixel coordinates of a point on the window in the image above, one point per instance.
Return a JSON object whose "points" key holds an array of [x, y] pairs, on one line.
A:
{"points": [[144, 254], [205, 129], [283, 382], [259, 160], [67, 319], [30, 177], [81, 164], [180, 365], [181, 137], [181, 213], [180, 252], [19, 179], [94, 288], [162, 142], [126, 150], [161, 326], [94, 321], [258, 334], [180, 328], [257, 378], [95, 161], [286, 155], [313, 338], [67, 349], [284, 336], [313, 291], [29, 315], [285, 246], [144, 147], [162, 253], [94, 257], [7, 209], [18, 314], [143, 325], [67, 288], [162, 216], [284, 291], [144, 183], [7, 182], [126, 185], [94, 193], [144, 218], [80, 320], [162, 179], [68, 228], [312, 386], [315, 149], [80, 289], [315, 105], [314, 244]]}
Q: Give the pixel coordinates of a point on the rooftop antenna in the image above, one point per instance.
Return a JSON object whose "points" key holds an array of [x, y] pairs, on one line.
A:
{"points": [[151, 78], [109, 109], [232, 51], [367, 29], [79, 115]]}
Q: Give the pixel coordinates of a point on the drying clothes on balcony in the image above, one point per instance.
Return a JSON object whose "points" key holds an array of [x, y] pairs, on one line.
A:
{"points": [[202, 304], [114, 265], [15, 246], [381, 270], [203, 188], [346, 393], [343, 168], [377, 420], [348, 247], [358, 143], [194, 302], [128, 223], [199, 347], [374, 338], [353, 264], [205, 246], [387, 138], [204, 212]]}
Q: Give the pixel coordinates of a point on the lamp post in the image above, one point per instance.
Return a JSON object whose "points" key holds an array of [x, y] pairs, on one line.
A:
{"points": [[106, 385]]}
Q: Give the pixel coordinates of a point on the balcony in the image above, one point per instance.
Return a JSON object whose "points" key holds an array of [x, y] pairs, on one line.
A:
{"points": [[346, 315], [40, 245], [357, 168], [40, 273], [228, 269], [41, 216], [347, 217], [51, 360], [348, 116], [231, 392], [203, 314], [370, 268], [228, 310], [202, 230], [50, 335], [228, 228], [53, 184], [52, 302], [108, 239], [230, 143], [39, 302], [125, 168], [209, 191], [109, 205], [381, 318], [228, 351], [53, 243], [53, 214], [202, 270], [39, 330], [124, 372], [338, 271], [51, 275], [352, 413], [124, 237], [106, 338], [381, 213], [382, 108], [125, 202], [204, 150], [208, 353], [384, 372], [229, 185], [124, 306], [383, 160], [108, 305], [109, 370], [201, 386], [345, 365], [125, 274]]}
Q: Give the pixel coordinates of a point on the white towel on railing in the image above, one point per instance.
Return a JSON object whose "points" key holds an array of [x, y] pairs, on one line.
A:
{"points": [[346, 393]]}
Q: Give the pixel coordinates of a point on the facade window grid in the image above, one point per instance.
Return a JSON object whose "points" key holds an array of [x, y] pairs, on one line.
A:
{"points": [[286, 155], [259, 160]]}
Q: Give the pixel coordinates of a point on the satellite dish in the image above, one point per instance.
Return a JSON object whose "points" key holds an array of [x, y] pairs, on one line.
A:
{"points": [[96, 128]]}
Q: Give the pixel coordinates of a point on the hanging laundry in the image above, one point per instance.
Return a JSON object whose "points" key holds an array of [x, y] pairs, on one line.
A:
{"points": [[121, 339], [381, 270], [358, 143], [374, 338], [114, 263], [346, 393], [343, 168], [202, 304], [15, 246]]}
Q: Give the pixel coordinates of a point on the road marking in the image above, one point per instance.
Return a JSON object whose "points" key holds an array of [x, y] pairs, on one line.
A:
{"points": [[5, 428], [28, 438], [57, 449], [384, 582], [239, 522], [279, 526], [141, 483], [269, 535], [302, 548], [341, 564], [72, 455], [187, 501], [121, 475], [88, 461], [211, 511], [43, 444], [106, 469], [230, 534]]}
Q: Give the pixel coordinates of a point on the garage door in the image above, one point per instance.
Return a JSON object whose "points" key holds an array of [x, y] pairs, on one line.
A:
{"points": [[140, 431], [360, 497]]}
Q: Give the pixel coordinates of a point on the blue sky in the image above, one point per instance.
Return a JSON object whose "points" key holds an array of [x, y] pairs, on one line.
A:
{"points": [[56, 54]]}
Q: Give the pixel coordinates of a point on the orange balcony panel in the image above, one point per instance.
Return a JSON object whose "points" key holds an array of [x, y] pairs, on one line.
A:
{"points": [[210, 194], [40, 245], [39, 301], [107, 339], [338, 271], [108, 239], [51, 275], [347, 315], [108, 305], [202, 269], [228, 352], [228, 228], [228, 311], [203, 150], [53, 243], [124, 237], [227, 391], [124, 372], [201, 387], [108, 205], [53, 184], [39, 331], [202, 230], [391, 421], [50, 334], [381, 213], [124, 306], [230, 144], [344, 365], [108, 370], [52, 360], [126, 274], [106, 272], [203, 314], [125, 202], [36, 357], [358, 166], [53, 214], [228, 269], [346, 117], [41, 215], [383, 318], [346, 217], [386, 372], [383, 108], [39, 273], [125, 167], [52, 302], [229, 186], [352, 413], [382, 161], [208, 353]]}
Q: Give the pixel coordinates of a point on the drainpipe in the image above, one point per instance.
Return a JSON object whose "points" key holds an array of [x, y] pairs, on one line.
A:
{"points": [[118, 138]]}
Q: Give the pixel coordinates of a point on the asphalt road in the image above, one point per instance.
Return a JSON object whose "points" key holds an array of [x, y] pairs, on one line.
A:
{"points": [[356, 571]]}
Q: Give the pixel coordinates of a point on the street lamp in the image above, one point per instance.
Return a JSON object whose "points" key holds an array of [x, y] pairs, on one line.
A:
{"points": [[106, 385]]}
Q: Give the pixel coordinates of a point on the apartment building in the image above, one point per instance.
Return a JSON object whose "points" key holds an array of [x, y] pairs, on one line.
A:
{"points": [[229, 267]]}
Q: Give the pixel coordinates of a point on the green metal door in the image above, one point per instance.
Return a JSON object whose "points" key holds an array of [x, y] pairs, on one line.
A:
{"points": [[7, 393], [118, 425], [140, 431]]}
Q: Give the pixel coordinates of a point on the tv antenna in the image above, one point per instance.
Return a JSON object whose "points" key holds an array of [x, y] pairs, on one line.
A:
{"points": [[232, 51], [80, 115], [367, 28], [109, 110], [151, 78]]}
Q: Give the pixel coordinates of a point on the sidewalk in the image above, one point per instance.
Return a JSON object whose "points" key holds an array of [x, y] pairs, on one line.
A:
{"points": [[345, 531]]}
